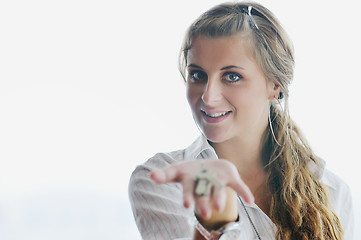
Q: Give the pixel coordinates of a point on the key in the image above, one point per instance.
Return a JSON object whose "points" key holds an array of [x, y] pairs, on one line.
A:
{"points": [[204, 180]]}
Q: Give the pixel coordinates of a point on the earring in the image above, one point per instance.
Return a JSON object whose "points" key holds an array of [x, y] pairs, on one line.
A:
{"points": [[270, 125], [281, 95], [285, 118]]}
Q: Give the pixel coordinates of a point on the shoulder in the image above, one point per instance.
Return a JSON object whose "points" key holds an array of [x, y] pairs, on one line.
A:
{"points": [[339, 190], [140, 175], [161, 160], [341, 201], [200, 148], [142, 189]]}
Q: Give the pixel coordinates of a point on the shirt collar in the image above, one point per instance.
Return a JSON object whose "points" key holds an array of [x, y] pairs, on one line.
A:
{"points": [[317, 168], [200, 148]]}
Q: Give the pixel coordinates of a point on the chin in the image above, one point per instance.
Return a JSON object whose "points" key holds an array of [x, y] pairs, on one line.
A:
{"points": [[214, 137]]}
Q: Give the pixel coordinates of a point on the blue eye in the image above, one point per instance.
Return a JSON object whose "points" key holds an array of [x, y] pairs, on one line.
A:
{"points": [[198, 76], [232, 77]]}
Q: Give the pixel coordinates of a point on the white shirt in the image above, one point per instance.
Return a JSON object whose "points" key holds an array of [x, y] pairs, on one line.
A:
{"points": [[159, 213]]}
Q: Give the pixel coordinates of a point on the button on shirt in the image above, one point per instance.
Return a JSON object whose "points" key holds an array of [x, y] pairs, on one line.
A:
{"points": [[159, 213]]}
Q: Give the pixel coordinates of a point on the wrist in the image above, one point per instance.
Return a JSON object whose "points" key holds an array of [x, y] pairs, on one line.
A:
{"points": [[229, 231]]}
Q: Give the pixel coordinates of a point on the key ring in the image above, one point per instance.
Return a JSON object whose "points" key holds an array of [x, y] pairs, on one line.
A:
{"points": [[204, 181]]}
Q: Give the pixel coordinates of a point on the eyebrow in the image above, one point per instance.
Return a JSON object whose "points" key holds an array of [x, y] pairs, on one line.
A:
{"points": [[224, 68], [194, 66], [231, 66]]}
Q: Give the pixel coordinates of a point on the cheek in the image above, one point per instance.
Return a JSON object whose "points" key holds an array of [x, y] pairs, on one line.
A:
{"points": [[192, 94], [248, 103], [238, 98]]}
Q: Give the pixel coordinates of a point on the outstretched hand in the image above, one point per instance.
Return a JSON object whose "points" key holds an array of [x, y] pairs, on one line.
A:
{"points": [[185, 173]]}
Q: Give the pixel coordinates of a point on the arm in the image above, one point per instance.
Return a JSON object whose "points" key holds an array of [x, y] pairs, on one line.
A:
{"points": [[221, 206], [158, 209]]}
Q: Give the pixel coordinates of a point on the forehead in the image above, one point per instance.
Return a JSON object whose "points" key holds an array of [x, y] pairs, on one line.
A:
{"points": [[223, 50]]}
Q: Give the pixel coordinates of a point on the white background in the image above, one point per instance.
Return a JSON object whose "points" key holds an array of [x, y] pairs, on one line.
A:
{"points": [[90, 89]]}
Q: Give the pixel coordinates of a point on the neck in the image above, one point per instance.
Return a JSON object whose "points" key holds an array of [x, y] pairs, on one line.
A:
{"points": [[246, 154]]}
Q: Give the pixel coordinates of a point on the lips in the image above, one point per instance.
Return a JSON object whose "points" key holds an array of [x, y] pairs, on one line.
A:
{"points": [[214, 116]]}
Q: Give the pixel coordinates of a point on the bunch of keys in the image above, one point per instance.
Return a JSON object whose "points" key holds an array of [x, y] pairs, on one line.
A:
{"points": [[204, 181]]}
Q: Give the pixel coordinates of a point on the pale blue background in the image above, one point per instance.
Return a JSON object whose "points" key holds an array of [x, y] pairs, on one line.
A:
{"points": [[90, 89]]}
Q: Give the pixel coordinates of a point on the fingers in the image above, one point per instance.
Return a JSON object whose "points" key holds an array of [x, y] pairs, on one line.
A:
{"points": [[184, 173], [161, 176], [231, 178], [242, 189], [203, 207], [219, 199], [188, 188], [176, 172]]}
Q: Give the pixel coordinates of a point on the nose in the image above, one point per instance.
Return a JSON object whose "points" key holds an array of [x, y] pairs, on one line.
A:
{"points": [[212, 92]]}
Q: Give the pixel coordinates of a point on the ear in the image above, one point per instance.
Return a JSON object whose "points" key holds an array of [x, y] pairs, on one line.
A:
{"points": [[274, 91]]}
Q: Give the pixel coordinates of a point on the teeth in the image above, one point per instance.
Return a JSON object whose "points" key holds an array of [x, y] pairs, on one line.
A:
{"points": [[215, 115]]}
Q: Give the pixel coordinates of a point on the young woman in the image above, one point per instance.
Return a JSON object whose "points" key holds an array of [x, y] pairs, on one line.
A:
{"points": [[251, 174]]}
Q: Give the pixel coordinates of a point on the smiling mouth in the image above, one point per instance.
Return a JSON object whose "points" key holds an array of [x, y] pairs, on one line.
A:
{"points": [[215, 115]]}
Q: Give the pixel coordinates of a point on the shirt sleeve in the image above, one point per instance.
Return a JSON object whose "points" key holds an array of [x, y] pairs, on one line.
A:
{"points": [[347, 216], [158, 209], [341, 201], [345, 212]]}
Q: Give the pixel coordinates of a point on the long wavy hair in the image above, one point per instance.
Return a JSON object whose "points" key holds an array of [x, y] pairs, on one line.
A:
{"points": [[299, 205]]}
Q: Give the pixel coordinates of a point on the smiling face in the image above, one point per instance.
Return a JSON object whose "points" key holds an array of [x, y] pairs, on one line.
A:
{"points": [[226, 89]]}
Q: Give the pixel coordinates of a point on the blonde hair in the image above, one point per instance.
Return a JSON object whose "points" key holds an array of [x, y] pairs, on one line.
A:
{"points": [[299, 205]]}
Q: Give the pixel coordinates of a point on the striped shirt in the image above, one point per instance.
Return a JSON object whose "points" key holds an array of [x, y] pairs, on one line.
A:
{"points": [[159, 213]]}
